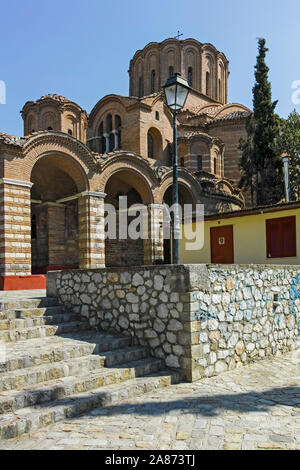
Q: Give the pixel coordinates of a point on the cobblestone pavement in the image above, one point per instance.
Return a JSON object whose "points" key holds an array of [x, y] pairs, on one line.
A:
{"points": [[255, 407]]}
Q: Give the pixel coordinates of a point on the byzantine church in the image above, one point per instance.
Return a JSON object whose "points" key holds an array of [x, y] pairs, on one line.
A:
{"points": [[56, 179]]}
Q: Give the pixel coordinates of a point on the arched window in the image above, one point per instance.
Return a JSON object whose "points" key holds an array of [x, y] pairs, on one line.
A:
{"points": [[171, 71], [190, 76], [157, 115], [101, 143], [154, 143], [150, 146], [109, 123], [215, 166], [153, 81], [220, 91], [182, 162], [141, 91], [207, 83], [70, 132], [49, 129]]}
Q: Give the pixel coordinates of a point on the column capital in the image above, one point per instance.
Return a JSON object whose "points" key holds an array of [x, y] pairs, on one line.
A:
{"points": [[24, 184]]}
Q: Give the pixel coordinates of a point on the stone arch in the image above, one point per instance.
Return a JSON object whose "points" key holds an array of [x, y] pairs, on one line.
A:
{"points": [[126, 251], [58, 179], [74, 153], [185, 180], [138, 172]]}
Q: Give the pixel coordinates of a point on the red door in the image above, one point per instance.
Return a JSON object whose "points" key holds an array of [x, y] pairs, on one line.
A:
{"points": [[221, 244]]}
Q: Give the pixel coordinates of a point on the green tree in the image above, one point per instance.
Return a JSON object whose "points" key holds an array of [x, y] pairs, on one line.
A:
{"points": [[289, 143], [261, 164]]}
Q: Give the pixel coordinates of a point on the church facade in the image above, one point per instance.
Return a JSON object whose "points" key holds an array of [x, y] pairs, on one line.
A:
{"points": [[55, 181]]}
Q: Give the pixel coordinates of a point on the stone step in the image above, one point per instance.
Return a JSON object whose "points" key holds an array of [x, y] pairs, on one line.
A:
{"points": [[41, 331], [13, 400], [39, 351], [18, 304], [33, 418], [21, 323], [30, 312], [18, 379], [22, 378]]}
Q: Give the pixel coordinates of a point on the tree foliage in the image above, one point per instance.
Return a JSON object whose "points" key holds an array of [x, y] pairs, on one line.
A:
{"points": [[288, 143], [261, 163]]}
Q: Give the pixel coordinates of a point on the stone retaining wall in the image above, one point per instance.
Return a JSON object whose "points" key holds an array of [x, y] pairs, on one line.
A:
{"points": [[201, 319]]}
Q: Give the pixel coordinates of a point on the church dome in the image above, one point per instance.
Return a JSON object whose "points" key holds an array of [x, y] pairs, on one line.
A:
{"points": [[53, 112], [202, 65]]}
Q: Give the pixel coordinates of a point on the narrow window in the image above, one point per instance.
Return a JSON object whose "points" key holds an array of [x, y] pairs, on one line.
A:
{"points": [[70, 132], [157, 115], [220, 91], [190, 76], [109, 123], [153, 81], [111, 142], [118, 124], [102, 145], [171, 71], [281, 237], [199, 163], [215, 166], [208, 83], [182, 162], [150, 146]]}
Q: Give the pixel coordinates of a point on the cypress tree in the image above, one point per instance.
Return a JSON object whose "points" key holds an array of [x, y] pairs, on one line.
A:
{"points": [[261, 163]]}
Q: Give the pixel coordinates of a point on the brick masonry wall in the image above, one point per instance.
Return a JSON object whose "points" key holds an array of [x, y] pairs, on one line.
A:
{"points": [[15, 230], [200, 319]]}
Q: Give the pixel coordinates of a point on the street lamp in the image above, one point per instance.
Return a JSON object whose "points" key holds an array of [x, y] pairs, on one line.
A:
{"points": [[176, 91]]}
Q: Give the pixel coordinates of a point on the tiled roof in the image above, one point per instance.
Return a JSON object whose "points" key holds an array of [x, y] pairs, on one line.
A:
{"points": [[236, 115]]}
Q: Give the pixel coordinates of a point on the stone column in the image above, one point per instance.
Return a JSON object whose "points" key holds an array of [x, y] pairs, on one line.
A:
{"points": [[106, 142], [116, 146], [15, 227], [91, 230], [154, 245]]}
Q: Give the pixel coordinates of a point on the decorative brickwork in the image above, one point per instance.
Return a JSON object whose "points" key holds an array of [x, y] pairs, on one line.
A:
{"points": [[91, 230], [15, 223]]}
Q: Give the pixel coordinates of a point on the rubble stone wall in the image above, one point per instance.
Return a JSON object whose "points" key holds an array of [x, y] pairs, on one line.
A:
{"points": [[201, 319]]}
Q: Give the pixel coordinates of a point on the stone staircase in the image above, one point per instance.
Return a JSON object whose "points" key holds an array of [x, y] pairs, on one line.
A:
{"points": [[56, 367]]}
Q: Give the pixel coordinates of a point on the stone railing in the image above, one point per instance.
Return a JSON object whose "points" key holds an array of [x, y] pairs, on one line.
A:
{"points": [[201, 319]]}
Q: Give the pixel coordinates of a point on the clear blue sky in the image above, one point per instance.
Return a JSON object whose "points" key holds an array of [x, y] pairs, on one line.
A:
{"points": [[81, 49]]}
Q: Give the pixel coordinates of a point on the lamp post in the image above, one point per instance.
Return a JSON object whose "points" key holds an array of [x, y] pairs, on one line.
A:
{"points": [[176, 91]]}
